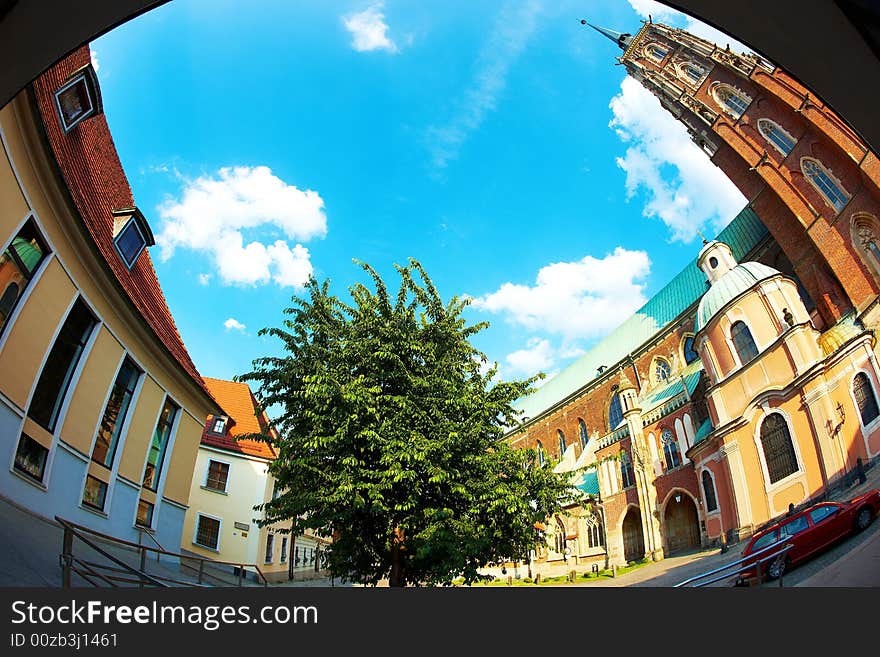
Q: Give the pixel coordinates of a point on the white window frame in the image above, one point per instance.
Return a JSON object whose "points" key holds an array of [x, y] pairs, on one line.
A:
{"points": [[654, 364], [84, 78], [270, 542], [765, 133], [799, 474], [208, 471], [199, 515], [143, 246], [873, 424], [219, 418], [681, 70], [659, 46], [717, 510], [715, 92], [834, 179]]}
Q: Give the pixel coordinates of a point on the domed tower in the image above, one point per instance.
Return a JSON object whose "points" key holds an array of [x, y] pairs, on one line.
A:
{"points": [[750, 309]]}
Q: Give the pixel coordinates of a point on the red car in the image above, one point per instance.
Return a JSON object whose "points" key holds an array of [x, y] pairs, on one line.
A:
{"points": [[810, 531]]}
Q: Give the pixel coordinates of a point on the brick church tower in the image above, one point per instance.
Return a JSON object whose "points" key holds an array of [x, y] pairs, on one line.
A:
{"points": [[804, 171]]}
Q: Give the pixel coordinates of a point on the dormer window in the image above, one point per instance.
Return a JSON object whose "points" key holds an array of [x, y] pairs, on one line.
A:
{"points": [[79, 98], [131, 234], [219, 425]]}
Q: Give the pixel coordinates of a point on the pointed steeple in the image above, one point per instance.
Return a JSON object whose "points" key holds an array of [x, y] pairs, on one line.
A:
{"points": [[622, 39]]}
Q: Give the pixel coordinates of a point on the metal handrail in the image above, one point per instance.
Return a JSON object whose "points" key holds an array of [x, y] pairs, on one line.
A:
{"points": [[67, 559], [779, 551], [77, 530]]}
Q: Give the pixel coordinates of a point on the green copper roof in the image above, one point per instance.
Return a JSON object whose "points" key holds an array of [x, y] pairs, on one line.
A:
{"points": [[587, 482], [30, 255], [731, 285], [742, 235], [690, 377], [704, 431]]}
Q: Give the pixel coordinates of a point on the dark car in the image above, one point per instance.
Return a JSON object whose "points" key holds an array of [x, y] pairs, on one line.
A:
{"points": [[809, 532]]}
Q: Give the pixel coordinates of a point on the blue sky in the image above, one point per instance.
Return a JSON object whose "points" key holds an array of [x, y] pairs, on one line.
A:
{"points": [[496, 142]]}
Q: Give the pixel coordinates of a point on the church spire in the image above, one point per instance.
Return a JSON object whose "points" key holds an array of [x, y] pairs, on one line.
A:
{"points": [[622, 39]]}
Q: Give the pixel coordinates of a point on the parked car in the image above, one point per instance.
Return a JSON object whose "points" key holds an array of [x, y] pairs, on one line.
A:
{"points": [[809, 532]]}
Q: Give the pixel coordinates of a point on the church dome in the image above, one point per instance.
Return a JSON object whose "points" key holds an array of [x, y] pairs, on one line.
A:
{"points": [[729, 286]]}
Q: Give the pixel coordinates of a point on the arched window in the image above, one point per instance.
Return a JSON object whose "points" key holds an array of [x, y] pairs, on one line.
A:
{"points": [[690, 354], [662, 370], [778, 137], [595, 535], [778, 448], [825, 183], [864, 233], [865, 398], [709, 492], [670, 449], [691, 72], [656, 52], [541, 457], [615, 412], [582, 433], [730, 99], [627, 476], [560, 537], [743, 342], [561, 438]]}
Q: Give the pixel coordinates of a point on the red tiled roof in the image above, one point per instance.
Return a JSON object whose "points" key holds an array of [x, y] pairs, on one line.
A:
{"points": [[242, 408], [97, 184]]}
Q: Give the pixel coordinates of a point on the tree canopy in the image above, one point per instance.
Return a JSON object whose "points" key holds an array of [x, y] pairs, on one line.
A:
{"points": [[391, 436]]}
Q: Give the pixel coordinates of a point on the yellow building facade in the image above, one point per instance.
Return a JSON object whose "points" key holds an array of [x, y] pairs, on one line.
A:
{"points": [[101, 408]]}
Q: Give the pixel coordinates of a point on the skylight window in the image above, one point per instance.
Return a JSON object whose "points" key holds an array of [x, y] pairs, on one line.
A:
{"points": [[78, 98], [131, 234]]}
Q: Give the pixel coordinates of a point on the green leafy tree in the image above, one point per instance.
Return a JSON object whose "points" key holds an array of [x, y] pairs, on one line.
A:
{"points": [[391, 436]]}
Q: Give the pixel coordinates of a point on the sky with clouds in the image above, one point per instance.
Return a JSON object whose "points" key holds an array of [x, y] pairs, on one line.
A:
{"points": [[497, 143]]}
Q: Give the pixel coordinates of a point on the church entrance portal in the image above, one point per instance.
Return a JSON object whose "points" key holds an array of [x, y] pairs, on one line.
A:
{"points": [[633, 539], [681, 525]]}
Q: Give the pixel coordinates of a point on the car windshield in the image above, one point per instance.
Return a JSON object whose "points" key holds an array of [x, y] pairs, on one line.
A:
{"points": [[767, 539]]}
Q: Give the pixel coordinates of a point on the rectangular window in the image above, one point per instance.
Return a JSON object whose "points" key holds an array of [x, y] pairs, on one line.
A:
{"points": [[218, 473], [114, 414], [18, 264], [130, 243], [270, 545], [95, 493], [30, 457], [283, 557], [208, 532], [144, 514], [58, 370], [161, 436], [219, 425]]}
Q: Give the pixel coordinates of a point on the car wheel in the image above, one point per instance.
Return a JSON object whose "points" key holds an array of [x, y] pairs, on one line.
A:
{"points": [[863, 519], [777, 567]]}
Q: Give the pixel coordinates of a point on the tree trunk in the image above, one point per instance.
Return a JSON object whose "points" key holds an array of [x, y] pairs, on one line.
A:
{"points": [[398, 574]]}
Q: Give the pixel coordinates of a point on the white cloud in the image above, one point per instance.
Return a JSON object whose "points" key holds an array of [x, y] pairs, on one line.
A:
{"points": [[538, 356], [95, 63], [213, 212], [690, 195], [233, 324], [204, 279], [368, 30], [577, 300], [512, 30]]}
